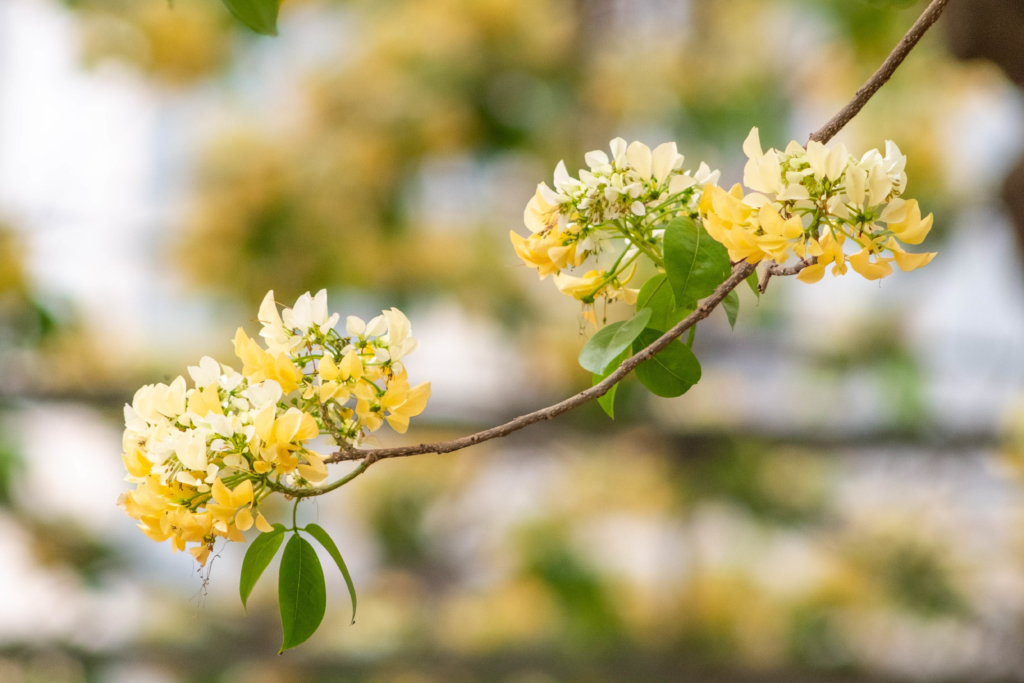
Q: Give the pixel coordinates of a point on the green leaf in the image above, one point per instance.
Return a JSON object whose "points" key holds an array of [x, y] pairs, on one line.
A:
{"points": [[656, 295], [755, 286], [672, 371], [301, 592], [731, 304], [257, 557], [611, 340], [259, 15], [607, 402], [317, 532], [694, 262]]}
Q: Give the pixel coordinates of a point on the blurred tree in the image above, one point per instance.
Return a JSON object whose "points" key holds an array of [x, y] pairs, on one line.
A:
{"points": [[177, 43]]}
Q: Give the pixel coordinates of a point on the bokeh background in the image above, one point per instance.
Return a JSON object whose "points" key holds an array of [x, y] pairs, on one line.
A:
{"points": [[840, 498]]}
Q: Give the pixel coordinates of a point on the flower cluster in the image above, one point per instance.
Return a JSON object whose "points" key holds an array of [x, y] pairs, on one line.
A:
{"points": [[624, 196], [203, 459], [811, 201]]}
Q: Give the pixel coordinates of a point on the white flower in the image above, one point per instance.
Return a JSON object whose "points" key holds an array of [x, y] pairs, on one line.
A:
{"points": [[266, 393], [836, 207], [376, 327], [221, 424], [836, 161], [894, 161], [706, 175], [309, 311], [134, 421], [355, 327], [827, 162], [895, 211], [400, 340], [752, 145], [563, 181], [663, 160], [596, 241], [206, 373], [680, 183], [299, 316], [595, 160], [550, 196], [190, 448], [879, 185], [794, 192], [273, 332], [161, 444], [230, 379], [618, 148], [756, 200], [168, 400], [639, 156]]}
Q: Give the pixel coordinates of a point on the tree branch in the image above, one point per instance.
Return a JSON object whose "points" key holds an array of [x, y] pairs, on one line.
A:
{"points": [[879, 78], [740, 272], [783, 271]]}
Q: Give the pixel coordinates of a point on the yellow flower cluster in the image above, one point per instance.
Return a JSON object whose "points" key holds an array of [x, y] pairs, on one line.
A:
{"points": [[811, 202], [624, 196], [203, 459]]}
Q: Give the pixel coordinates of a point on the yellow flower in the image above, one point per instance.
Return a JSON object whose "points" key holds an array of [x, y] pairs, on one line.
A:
{"points": [[281, 437], [778, 234], [831, 252], [580, 287], [861, 262], [912, 229], [547, 253], [227, 503], [368, 407], [316, 470], [205, 401], [403, 403], [260, 365], [589, 287], [908, 262], [729, 221], [137, 464], [328, 369], [262, 524], [202, 553], [540, 215]]}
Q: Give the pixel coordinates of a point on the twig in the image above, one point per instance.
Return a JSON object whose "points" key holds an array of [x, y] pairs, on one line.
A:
{"points": [[783, 271], [878, 79], [740, 272]]}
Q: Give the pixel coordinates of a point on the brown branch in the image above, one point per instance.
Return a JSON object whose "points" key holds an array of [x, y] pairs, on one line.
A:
{"points": [[783, 271], [879, 78], [740, 272]]}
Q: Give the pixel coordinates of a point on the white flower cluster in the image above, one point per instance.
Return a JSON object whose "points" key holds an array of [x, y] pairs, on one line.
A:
{"points": [[185, 433], [801, 177], [308, 324], [812, 201], [631, 195], [634, 182]]}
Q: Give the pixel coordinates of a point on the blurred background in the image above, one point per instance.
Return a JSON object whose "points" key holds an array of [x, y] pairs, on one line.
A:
{"points": [[840, 498]]}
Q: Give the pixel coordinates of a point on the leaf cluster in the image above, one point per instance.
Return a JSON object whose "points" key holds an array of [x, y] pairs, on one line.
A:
{"points": [[301, 589], [695, 265]]}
